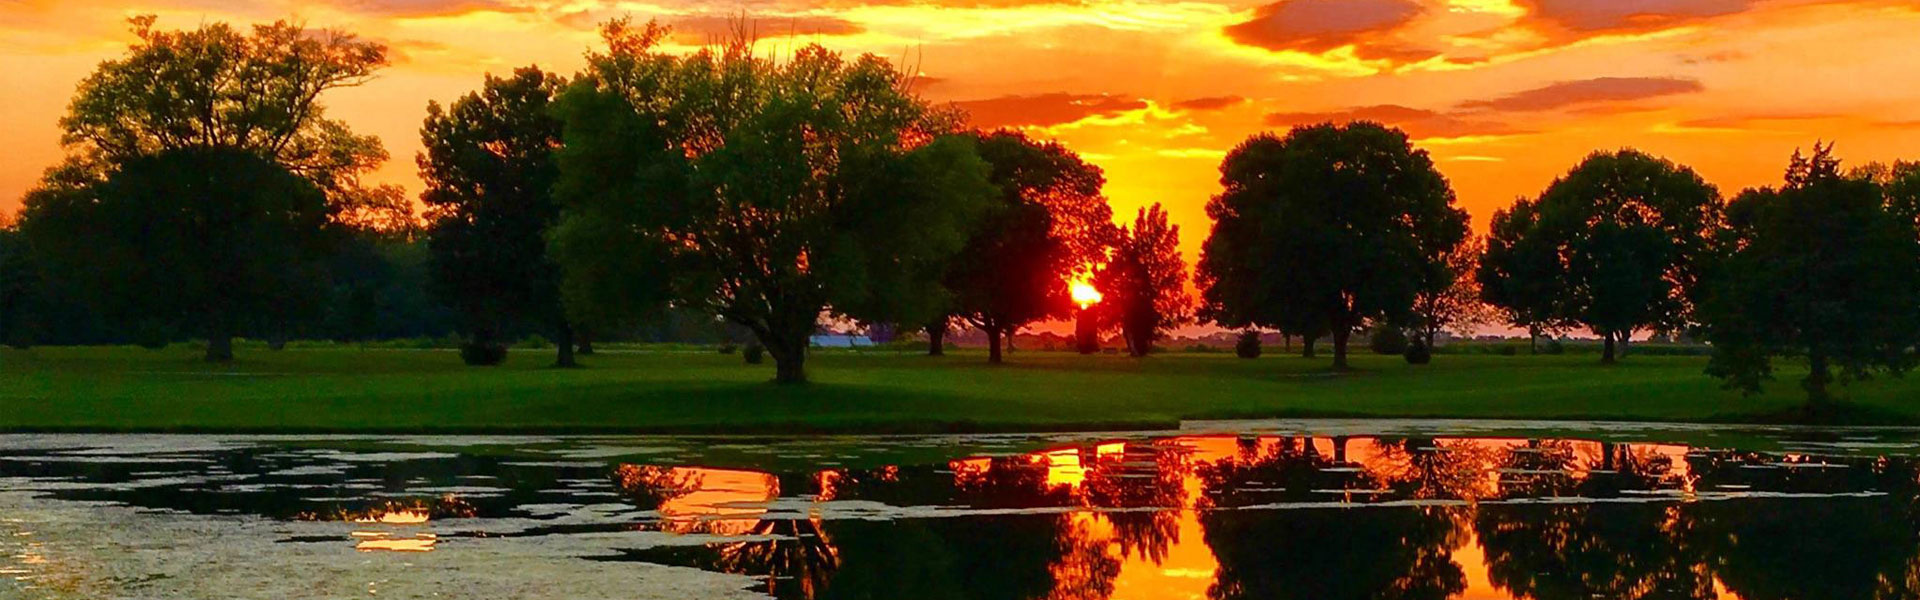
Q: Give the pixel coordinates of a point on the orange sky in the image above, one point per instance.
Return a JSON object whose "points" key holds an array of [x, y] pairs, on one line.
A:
{"points": [[1504, 93]]}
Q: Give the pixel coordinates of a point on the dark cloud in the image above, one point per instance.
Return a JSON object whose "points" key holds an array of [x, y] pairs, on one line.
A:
{"points": [[1417, 122], [1042, 110], [1603, 89], [702, 29], [1209, 103], [1321, 25], [1629, 15]]}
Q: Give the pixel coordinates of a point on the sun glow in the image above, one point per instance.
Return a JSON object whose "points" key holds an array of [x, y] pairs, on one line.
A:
{"points": [[1084, 294]]}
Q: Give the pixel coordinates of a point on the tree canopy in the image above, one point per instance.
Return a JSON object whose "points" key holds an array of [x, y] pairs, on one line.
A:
{"points": [[1629, 230], [490, 165], [1519, 271], [764, 191], [1820, 268], [1047, 222], [1324, 230], [1144, 282]]}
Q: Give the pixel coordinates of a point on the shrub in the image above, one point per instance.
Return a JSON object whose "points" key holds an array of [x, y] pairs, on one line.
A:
{"points": [[1389, 340], [152, 335], [1248, 346], [1418, 353], [483, 354], [1507, 350], [1554, 346], [755, 354], [534, 342], [728, 348]]}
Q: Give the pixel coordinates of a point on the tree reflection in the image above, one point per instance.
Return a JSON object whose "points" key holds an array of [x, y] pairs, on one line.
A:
{"points": [[1811, 548], [1319, 552]]}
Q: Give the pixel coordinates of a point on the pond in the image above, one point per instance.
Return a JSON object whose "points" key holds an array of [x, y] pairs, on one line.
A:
{"points": [[1223, 510]]}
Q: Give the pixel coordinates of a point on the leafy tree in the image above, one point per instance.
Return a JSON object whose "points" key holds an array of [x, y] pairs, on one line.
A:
{"points": [[1326, 229], [1048, 222], [18, 282], [1145, 282], [762, 191], [1630, 230], [209, 239], [157, 139], [1520, 273], [1819, 268], [215, 87], [489, 165], [1453, 299]]}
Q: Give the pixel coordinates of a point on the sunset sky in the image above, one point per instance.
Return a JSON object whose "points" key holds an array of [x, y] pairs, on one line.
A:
{"points": [[1504, 93]]}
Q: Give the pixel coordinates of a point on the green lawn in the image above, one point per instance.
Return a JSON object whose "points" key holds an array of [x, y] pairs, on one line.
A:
{"points": [[338, 389]]}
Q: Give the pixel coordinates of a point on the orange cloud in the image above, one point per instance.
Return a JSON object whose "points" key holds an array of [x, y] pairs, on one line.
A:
{"points": [[1044, 110], [1318, 26], [701, 29], [1209, 103], [1586, 91], [1418, 123], [1629, 15]]}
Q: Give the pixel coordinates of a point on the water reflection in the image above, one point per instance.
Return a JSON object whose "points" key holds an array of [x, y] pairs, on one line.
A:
{"points": [[1217, 517], [1228, 517]]}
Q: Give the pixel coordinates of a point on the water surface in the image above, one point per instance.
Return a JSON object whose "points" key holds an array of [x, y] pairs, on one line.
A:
{"points": [[1277, 509]]}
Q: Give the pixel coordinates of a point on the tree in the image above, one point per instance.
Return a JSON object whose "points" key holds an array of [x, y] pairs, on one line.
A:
{"points": [[1520, 273], [242, 110], [1048, 223], [1144, 284], [1819, 268], [1325, 229], [216, 240], [18, 280], [1630, 230], [761, 191], [1452, 300], [489, 166]]}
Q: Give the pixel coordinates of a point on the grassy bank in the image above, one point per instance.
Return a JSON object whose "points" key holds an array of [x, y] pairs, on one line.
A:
{"points": [[344, 389]]}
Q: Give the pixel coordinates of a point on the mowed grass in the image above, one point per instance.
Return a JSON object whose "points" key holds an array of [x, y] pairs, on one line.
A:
{"points": [[345, 389]]}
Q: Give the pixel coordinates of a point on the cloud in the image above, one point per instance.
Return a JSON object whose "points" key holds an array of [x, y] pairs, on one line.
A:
{"points": [[1317, 26], [1209, 103], [701, 29], [1419, 123], [1044, 110], [427, 8], [1601, 89], [1629, 15]]}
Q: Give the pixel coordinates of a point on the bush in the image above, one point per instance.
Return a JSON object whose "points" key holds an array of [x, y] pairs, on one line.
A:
{"points": [[1388, 340], [483, 354], [1507, 350], [534, 342], [152, 335], [755, 354], [1554, 346], [1248, 346], [1418, 354], [728, 348]]}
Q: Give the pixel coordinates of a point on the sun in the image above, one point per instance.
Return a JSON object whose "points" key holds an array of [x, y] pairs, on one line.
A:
{"points": [[1084, 294]]}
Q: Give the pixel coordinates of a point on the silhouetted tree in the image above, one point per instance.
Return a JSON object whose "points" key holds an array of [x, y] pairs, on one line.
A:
{"points": [[1818, 268], [1324, 230], [207, 239], [1520, 272], [489, 166], [1630, 230], [1455, 304], [1045, 225], [762, 191], [19, 279], [1144, 283]]}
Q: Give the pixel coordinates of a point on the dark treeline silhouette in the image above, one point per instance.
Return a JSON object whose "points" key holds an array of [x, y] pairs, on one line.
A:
{"points": [[730, 195]]}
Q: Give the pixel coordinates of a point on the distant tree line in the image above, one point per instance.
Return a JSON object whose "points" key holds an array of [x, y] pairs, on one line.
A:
{"points": [[730, 193]]}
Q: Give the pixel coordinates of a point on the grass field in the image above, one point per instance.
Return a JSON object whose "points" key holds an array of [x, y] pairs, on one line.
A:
{"points": [[345, 389]]}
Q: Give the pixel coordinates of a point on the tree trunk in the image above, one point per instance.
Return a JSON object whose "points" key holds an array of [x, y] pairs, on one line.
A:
{"points": [[1306, 345], [219, 345], [1340, 449], [563, 342], [585, 337], [1340, 335], [1606, 355], [1817, 378], [789, 359], [1533, 339], [937, 338], [993, 345]]}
